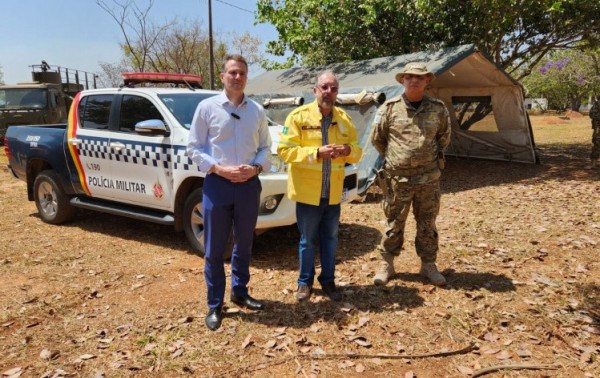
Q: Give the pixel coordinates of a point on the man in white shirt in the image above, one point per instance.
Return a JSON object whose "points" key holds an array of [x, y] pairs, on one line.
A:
{"points": [[229, 140]]}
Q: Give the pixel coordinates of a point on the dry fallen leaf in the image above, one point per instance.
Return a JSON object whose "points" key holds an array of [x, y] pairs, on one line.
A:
{"points": [[490, 351], [247, 341], [503, 355], [360, 340], [363, 320], [177, 353], [346, 307], [465, 370], [586, 357], [359, 368]]}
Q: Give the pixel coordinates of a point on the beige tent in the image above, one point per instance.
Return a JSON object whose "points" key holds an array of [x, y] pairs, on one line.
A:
{"points": [[489, 119]]}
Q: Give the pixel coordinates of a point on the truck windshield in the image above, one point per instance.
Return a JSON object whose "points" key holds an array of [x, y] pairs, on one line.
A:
{"points": [[23, 98], [183, 105]]}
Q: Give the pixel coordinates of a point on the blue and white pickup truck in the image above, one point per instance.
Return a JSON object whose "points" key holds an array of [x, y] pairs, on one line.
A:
{"points": [[123, 152]]}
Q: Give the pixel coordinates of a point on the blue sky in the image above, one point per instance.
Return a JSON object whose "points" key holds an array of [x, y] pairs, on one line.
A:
{"points": [[79, 34]]}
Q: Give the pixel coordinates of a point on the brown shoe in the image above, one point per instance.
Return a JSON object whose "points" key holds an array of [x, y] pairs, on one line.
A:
{"points": [[332, 292], [303, 292]]}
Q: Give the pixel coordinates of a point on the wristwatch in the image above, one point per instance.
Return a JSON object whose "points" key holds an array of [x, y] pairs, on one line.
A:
{"points": [[259, 168]]}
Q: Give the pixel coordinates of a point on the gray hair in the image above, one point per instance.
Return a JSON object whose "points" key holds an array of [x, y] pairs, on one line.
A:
{"points": [[323, 73]]}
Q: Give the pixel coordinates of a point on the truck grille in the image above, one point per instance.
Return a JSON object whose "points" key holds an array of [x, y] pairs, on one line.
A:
{"points": [[350, 181]]}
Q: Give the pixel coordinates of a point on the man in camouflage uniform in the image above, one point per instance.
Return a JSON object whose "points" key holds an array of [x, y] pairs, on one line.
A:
{"points": [[595, 116], [410, 132]]}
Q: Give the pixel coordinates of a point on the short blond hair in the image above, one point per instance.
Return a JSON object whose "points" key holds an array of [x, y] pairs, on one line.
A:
{"points": [[235, 57]]}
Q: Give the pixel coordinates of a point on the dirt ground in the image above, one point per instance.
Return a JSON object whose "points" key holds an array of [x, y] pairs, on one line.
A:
{"points": [[111, 297]]}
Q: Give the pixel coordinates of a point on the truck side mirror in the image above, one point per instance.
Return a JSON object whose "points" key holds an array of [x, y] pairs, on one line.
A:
{"points": [[151, 126]]}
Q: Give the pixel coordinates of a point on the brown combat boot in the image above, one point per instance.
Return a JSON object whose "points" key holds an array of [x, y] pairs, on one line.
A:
{"points": [[386, 269], [430, 271], [303, 292]]}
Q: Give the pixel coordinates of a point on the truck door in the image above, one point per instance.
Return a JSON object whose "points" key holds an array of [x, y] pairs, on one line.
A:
{"points": [[55, 114], [89, 144], [141, 166]]}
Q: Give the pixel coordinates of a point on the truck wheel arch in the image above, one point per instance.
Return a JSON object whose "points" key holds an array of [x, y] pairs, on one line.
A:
{"points": [[52, 202], [34, 167], [194, 232], [183, 192]]}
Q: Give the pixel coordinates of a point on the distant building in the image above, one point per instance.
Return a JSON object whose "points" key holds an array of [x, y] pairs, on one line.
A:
{"points": [[540, 104]]}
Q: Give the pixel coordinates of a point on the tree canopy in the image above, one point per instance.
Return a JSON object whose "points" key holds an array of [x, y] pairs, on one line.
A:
{"points": [[178, 46], [566, 78], [515, 33]]}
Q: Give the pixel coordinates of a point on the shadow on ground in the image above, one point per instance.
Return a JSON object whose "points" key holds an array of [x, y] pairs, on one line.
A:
{"points": [[278, 247], [368, 298]]}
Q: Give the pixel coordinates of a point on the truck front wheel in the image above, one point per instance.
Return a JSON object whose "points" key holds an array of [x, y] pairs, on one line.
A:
{"points": [[51, 200], [193, 225]]}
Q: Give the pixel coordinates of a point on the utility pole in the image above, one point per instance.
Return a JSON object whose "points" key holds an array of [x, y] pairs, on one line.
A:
{"points": [[210, 47]]}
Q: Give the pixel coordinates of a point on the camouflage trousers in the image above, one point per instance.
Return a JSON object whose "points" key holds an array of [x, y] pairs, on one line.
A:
{"points": [[425, 201], [596, 143]]}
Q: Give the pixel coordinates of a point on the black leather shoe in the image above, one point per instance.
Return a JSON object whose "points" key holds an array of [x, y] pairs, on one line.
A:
{"points": [[332, 292], [214, 318], [248, 302]]}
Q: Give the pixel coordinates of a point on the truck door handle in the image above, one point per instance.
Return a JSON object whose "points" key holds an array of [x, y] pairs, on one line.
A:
{"points": [[75, 141], [117, 146]]}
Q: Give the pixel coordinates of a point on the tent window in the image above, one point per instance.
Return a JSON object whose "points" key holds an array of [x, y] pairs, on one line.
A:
{"points": [[474, 113]]}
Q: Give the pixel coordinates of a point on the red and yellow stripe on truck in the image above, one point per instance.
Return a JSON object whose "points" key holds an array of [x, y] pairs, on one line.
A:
{"points": [[72, 134]]}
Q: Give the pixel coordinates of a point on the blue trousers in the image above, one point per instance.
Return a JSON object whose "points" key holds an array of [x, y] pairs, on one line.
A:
{"points": [[228, 206], [318, 226]]}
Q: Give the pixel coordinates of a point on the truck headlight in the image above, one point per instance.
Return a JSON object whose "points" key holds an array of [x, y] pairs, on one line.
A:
{"points": [[277, 164], [269, 204]]}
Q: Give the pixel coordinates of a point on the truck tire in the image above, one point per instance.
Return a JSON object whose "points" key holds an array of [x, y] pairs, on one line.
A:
{"points": [[51, 200], [193, 225]]}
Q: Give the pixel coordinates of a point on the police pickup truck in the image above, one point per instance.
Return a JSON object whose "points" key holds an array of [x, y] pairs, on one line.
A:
{"points": [[123, 152]]}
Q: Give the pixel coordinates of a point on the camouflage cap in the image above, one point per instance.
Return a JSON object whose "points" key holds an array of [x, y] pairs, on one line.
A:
{"points": [[414, 68]]}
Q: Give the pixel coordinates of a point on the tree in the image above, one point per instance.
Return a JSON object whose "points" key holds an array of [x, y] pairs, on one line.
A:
{"points": [[566, 78], [110, 77], [176, 46], [1, 76], [139, 33], [247, 46], [517, 34]]}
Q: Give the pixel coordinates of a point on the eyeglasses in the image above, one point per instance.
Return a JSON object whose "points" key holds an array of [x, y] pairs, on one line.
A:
{"points": [[325, 87], [418, 77]]}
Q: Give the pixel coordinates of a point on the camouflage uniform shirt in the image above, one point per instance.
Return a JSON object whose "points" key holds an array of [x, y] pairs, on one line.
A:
{"points": [[409, 138]]}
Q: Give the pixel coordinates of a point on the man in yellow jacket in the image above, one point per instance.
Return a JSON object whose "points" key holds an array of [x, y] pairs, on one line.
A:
{"points": [[317, 141]]}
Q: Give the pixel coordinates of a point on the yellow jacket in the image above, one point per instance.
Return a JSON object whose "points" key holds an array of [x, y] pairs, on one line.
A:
{"points": [[300, 139]]}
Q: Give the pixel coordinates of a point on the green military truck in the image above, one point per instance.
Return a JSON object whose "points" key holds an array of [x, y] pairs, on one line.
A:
{"points": [[44, 100]]}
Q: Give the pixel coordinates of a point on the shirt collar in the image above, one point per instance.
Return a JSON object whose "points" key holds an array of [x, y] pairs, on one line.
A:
{"points": [[222, 98]]}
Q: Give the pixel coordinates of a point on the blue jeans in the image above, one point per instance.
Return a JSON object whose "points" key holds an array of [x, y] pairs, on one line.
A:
{"points": [[318, 226]]}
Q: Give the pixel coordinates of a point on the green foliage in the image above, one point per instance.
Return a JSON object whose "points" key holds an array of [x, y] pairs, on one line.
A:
{"points": [[566, 78], [515, 33]]}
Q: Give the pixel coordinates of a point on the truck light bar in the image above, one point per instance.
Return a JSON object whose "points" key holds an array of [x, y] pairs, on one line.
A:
{"points": [[132, 78]]}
